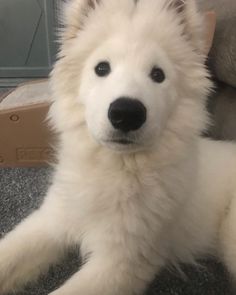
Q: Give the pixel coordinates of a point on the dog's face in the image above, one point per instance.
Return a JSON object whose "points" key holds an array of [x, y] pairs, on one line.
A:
{"points": [[127, 87], [131, 65]]}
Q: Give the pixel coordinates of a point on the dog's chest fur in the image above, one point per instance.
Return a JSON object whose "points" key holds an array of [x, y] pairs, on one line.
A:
{"points": [[130, 204]]}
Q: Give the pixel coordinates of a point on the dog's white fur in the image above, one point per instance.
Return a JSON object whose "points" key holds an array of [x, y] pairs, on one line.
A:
{"points": [[166, 199]]}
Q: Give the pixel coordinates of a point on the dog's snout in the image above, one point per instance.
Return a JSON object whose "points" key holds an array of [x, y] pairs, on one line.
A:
{"points": [[127, 114]]}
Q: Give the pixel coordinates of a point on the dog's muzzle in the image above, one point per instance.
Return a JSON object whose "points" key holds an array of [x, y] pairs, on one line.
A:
{"points": [[127, 114]]}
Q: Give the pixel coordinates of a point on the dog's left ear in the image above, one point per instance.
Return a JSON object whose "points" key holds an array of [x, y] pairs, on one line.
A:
{"points": [[76, 12], [198, 27]]}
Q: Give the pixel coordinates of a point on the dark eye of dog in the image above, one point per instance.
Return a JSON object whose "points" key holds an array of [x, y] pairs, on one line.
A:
{"points": [[157, 75], [103, 69]]}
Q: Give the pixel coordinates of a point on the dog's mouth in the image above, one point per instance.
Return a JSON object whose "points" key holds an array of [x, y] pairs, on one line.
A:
{"points": [[121, 141], [122, 144]]}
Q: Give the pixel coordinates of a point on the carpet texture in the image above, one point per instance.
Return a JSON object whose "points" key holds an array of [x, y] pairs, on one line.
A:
{"points": [[22, 191]]}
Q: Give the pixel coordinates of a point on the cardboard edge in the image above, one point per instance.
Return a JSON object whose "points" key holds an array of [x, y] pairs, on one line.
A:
{"points": [[24, 108]]}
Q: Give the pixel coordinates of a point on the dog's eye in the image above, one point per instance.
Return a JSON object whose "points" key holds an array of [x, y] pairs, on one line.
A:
{"points": [[103, 69], [157, 75]]}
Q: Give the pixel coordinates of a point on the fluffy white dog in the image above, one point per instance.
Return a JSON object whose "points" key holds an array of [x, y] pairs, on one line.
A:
{"points": [[135, 185]]}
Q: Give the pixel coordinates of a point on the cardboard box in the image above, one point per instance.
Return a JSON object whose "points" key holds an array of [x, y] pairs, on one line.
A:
{"points": [[25, 138]]}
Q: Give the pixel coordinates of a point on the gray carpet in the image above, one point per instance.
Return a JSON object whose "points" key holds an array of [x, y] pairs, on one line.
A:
{"points": [[22, 190]]}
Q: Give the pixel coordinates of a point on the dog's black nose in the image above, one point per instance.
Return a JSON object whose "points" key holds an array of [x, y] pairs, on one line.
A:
{"points": [[127, 114]]}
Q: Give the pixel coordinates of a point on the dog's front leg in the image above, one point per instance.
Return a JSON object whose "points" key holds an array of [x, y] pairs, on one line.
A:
{"points": [[28, 249], [107, 275]]}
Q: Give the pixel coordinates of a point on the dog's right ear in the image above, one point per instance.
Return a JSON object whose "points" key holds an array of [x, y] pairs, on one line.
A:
{"points": [[76, 13], [198, 27]]}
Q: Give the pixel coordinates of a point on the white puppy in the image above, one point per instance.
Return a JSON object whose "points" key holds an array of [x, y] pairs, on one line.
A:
{"points": [[135, 185]]}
